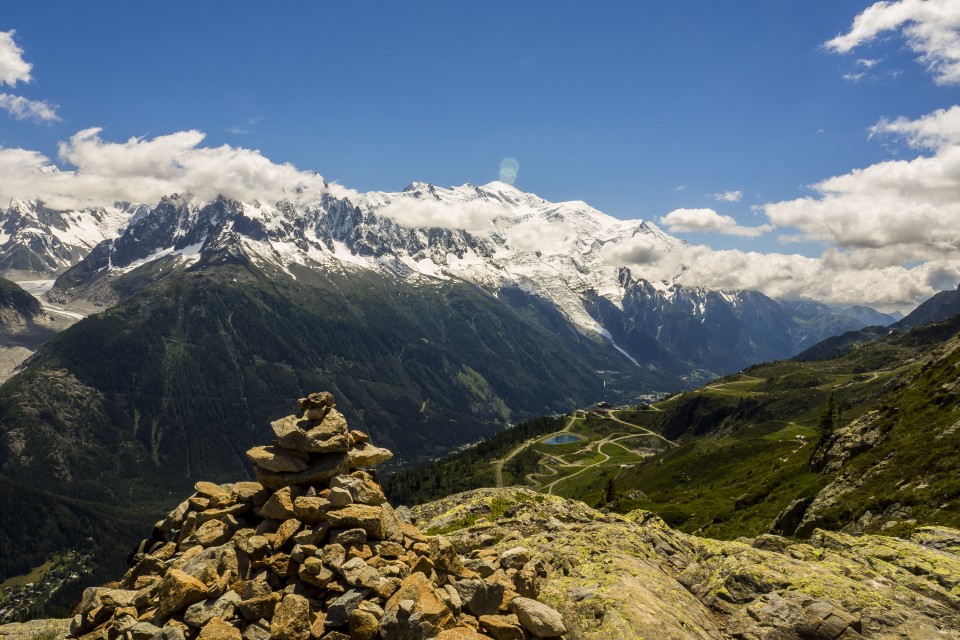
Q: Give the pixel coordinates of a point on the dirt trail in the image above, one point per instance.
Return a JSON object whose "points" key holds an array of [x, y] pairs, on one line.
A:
{"points": [[498, 464], [643, 429]]}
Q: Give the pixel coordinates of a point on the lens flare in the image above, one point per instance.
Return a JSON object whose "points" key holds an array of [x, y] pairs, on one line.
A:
{"points": [[508, 170]]}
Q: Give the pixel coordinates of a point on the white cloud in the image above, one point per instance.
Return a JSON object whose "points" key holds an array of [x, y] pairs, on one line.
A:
{"points": [[709, 221], [933, 131], [144, 170], [13, 68], [535, 234], [854, 77], [931, 27], [867, 63], [911, 204], [473, 216], [892, 227], [23, 109], [835, 278], [891, 231], [728, 196]]}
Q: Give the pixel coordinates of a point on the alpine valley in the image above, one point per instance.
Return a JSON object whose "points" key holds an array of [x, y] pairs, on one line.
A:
{"points": [[435, 316]]}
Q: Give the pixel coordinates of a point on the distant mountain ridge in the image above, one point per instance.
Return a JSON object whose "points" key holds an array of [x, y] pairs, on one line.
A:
{"points": [[16, 305], [940, 307], [558, 252]]}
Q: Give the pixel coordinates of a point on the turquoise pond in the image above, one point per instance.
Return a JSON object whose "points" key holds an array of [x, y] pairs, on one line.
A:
{"points": [[565, 438]]}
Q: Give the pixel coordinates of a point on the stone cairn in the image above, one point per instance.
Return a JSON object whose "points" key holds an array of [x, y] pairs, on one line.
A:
{"points": [[313, 550]]}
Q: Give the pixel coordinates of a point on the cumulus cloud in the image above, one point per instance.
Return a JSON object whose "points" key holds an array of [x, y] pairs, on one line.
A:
{"points": [[728, 196], [23, 109], [836, 277], [473, 216], [535, 233], [890, 230], [931, 27], [913, 205], [144, 170], [891, 227], [933, 131], [14, 69], [709, 221]]}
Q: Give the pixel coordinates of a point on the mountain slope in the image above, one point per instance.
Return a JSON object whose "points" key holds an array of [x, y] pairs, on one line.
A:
{"points": [[559, 253], [940, 306], [864, 442], [181, 378], [41, 241], [16, 305]]}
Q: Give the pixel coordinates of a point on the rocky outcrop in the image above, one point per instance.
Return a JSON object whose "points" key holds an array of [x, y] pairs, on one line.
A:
{"points": [[312, 550], [613, 576]]}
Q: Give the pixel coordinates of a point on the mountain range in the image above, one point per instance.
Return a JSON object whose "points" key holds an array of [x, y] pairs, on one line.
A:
{"points": [[561, 253], [212, 316]]}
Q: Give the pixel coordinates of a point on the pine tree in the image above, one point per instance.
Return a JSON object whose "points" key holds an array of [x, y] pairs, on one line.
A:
{"points": [[611, 494]]}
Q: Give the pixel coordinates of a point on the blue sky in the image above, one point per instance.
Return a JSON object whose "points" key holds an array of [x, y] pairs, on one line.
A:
{"points": [[639, 108]]}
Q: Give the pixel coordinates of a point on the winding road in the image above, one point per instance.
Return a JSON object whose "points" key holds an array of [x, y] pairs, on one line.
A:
{"points": [[551, 471], [498, 464]]}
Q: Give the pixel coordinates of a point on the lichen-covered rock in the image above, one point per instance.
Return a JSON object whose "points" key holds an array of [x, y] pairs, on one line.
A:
{"points": [[364, 454], [538, 618], [479, 597], [291, 620], [415, 611], [363, 625], [330, 559], [611, 576], [274, 458], [178, 590], [218, 629]]}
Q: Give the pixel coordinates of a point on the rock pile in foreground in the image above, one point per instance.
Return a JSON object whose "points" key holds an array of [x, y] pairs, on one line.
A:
{"points": [[313, 550]]}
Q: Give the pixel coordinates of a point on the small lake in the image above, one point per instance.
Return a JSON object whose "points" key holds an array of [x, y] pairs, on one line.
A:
{"points": [[565, 438]]}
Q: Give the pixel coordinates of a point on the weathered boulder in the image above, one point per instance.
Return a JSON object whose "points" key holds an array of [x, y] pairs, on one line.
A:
{"points": [[291, 619], [200, 613], [364, 454], [218, 629], [325, 436], [338, 611], [479, 597], [537, 618], [363, 625], [415, 611], [274, 458], [503, 627], [322, 468], [178, 590], [361, 486]]}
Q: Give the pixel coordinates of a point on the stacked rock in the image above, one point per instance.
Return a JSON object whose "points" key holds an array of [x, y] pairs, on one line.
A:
{"points": [[313, 551]]}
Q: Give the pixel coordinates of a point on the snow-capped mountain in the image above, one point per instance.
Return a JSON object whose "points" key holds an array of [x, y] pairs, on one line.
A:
{"points": [[556, 251], [553, 250], [493, 236], [37, 239]]}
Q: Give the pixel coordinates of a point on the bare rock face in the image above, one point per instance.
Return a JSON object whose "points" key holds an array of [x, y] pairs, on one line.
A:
{"points": [[613, 576], [311, 551]]}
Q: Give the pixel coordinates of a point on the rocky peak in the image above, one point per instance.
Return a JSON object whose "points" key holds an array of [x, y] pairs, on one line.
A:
{"points": [[313, 550]]}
